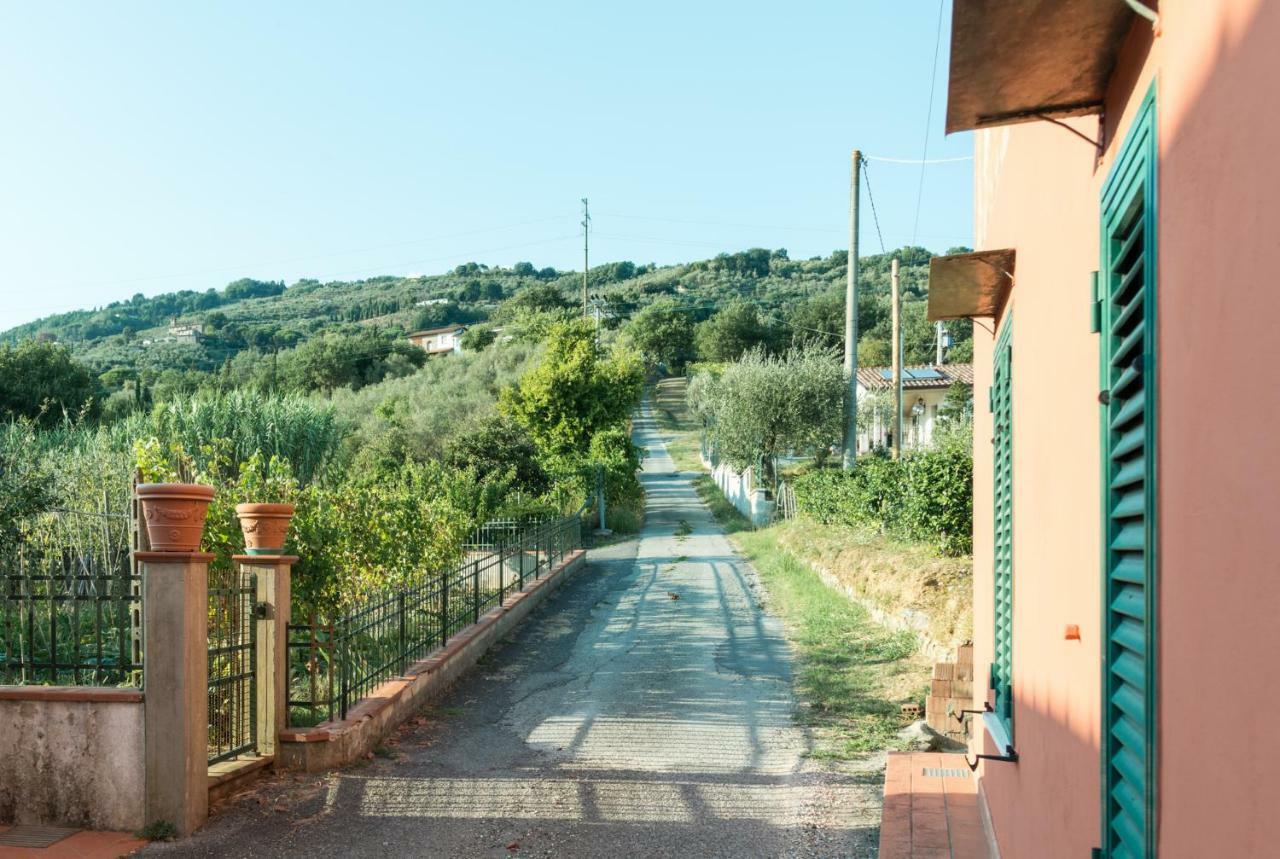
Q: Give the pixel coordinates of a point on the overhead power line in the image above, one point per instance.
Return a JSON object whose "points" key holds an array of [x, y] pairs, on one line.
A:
{"points": [[875, 217], [704, 223], [928, 120], [887, 160]]}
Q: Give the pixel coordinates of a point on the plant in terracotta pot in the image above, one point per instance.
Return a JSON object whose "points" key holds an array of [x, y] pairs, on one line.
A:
{"points": [[174, 506], [265, 520]]}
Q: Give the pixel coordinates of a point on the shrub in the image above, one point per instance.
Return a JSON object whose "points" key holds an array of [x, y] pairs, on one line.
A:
{"points": [[497, 447], [925, 496], [937, 497]]}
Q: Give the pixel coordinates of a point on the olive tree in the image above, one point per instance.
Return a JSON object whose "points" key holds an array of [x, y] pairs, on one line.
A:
{"points": [[764, 406]]}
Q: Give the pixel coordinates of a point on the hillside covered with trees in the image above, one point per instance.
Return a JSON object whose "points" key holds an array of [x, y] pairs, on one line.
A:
{"points": [[326, 337]]}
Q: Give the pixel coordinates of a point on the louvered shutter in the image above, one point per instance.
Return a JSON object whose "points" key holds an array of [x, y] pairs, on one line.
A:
{"points": [[1128, 369], [1002, 496]]}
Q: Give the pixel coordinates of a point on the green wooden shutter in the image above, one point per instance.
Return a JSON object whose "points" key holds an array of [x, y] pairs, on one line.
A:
{"points": [[1128, 468], [1002, 499]]}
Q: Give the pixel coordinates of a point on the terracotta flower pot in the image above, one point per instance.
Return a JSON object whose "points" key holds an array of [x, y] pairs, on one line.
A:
{"points": [[174, 513], [264, 527]]}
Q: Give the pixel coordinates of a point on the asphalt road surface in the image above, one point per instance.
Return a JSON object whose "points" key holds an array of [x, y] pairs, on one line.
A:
{"points": [[644, 710]]}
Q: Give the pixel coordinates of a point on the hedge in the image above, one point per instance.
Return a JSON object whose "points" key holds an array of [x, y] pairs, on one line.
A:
{"points": [[926, 496]]}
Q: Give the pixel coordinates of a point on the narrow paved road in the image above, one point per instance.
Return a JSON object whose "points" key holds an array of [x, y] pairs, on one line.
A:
{"points": [[644, 710]]}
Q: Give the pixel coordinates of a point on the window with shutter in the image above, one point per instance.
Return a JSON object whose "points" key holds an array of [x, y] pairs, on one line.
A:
{"points": [[1002, 499], [1127, 323]]}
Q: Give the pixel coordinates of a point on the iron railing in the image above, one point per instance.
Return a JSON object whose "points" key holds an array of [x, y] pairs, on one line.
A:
{"points": [[334, 663], [71, 603], [232, 665]]}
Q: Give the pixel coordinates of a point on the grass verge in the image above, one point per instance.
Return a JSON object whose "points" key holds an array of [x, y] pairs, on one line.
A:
{"points": [[853, 674]]}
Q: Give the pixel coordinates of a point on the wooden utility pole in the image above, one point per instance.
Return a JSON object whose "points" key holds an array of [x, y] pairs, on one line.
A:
{"points": [[586, 265], [851, 321], [897, 361]]}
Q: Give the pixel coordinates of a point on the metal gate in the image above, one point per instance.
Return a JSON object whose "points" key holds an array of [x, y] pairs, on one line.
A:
{"points": [[232, 666]]}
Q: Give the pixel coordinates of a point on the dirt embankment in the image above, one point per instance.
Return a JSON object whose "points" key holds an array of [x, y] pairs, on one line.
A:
{"points": [[903, 586]]}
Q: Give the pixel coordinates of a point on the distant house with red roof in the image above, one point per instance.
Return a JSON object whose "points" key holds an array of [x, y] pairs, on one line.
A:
{"points": [[923, 390]]}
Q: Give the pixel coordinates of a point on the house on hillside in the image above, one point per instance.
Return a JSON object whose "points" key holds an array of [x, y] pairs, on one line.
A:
{"points": [[1126, 582], [923, 391], [185, 332], [439, 341]]}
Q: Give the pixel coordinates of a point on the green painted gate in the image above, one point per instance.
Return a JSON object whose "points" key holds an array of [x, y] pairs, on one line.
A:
{"points": [[1126, 318]]}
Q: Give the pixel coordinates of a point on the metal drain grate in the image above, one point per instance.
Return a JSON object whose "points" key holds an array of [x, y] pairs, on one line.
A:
{"points": [[939, 772], [33, 836]]}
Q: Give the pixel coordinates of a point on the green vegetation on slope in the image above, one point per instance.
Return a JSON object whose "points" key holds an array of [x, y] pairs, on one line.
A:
{"points": [[312, 336]]}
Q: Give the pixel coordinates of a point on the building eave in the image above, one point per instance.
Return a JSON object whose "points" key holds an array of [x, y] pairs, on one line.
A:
{"points": [[1023, 60]]}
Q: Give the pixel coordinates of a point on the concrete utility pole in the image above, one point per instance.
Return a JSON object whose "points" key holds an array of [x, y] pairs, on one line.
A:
{"points": [[586, 265], [939, 332], [897, 361], [851, 321]]}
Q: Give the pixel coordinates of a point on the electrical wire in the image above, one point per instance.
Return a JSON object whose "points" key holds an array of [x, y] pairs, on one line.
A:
{"points": [[887, 160], [875, 217], [924, 157], [722, 223]]}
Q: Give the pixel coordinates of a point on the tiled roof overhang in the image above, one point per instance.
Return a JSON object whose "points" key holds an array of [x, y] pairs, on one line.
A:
{"points": [[1021, 60]]}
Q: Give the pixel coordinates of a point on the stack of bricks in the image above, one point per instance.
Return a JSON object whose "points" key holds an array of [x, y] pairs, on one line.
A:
{"points": [[951, 691]]}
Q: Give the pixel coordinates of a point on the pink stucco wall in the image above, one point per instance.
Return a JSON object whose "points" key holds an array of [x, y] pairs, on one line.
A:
{"points": [[1217, 70], [1219, 440], [1050, 217]]}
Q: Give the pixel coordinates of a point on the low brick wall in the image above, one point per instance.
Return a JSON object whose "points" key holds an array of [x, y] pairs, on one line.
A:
{"points": [[333, 744], [72, 756]]}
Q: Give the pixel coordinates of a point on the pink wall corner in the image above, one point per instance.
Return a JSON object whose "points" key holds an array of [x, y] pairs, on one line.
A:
{"points": [[1219, 411]]}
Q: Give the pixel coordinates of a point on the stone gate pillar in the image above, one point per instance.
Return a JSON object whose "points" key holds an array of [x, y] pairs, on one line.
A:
{"points": [[176, 687]]}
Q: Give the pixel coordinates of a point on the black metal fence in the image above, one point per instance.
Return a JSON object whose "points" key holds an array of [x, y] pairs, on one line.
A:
{"points": [[232, 665], [333, 664], [71, 603]]}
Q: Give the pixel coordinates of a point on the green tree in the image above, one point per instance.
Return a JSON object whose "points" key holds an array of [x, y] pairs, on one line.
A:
{"points": [[347, 361], [539, 298], [731, 332], [478, 337], [762, 407], [25, 481], [40, 380], [663, 333], [574, 392], [497, 447], [957, 405]]}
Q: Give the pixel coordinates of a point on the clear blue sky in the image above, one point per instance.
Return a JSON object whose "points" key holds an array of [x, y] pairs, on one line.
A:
{"points": [[164, 146]]}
